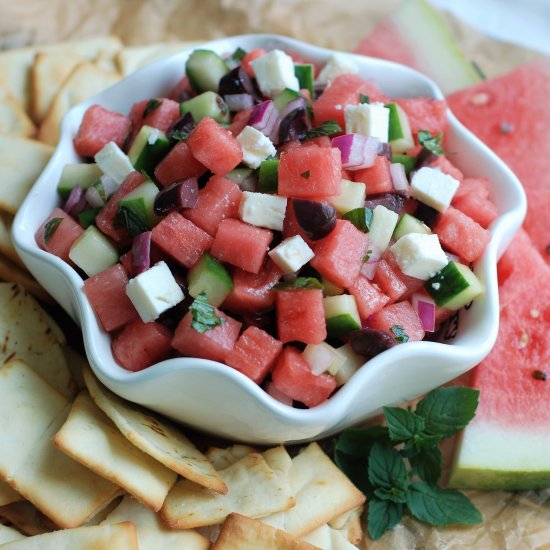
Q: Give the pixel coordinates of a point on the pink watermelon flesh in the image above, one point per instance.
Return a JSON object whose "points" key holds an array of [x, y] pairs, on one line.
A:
{"points": [[511, 114]]}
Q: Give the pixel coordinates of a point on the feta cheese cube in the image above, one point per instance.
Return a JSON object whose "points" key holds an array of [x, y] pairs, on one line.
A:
{"points": [[336, 65], [256, 146], [419, 255], [263, 210], [154, 291], [113, 162], [369, 119], [434, 188], [352, 196], [274, 72], [291, 254]]}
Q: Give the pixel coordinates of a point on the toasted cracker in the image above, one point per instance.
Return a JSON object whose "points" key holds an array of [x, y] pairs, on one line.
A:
{"points": [[85, 81], [76, 362], [349, 524], [221, 458], [11, 273], [27, 518], [152, 534], [21, 162], [155, 436], [14, 121], [8, 534], [120, 536], [27, 333], [89, 437], [255, 490], [321, 490], [48, 72], [6, 243], [31, 412], [327, 538], [7, 494], [244, 533]]}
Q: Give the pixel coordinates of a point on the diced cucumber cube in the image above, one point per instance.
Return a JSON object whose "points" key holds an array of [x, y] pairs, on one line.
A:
{"points": [[351, 196], [149, 148], [268, 176], [351, 365], [409, 224], [88, 217], [454, 286], [341, 315], [330, 289], [401, 138], [285, 97], [207, 104], [360, 217], [204, 70], [305, 75], [93, 251], [407, 161], [212, 278], [245, 178], [382, 227], [77, 174], [137, 209], [323, 358]]}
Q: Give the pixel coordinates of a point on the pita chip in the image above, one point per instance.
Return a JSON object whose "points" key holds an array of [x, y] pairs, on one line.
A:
{"points": [[6, 244], [152, 534], [14, 121], [12, 273], [244, 533], [327, 538], [9, 534], [221, 458], [155, 436], [120, 536], [89, 437], [7, 494], [26, 518], [349, 524]]}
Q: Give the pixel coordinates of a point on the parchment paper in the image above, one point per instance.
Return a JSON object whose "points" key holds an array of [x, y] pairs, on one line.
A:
{"points": [[512, 520]]}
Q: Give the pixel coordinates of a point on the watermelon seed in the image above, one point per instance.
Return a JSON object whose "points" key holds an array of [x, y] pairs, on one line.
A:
{"points": [[539, 375], [506, 128], [547, 250], [523, 340], [535, 313]]}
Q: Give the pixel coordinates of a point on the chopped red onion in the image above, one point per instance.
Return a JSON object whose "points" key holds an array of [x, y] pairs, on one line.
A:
{"points": [[74, 198], [181, 194], [298, 103], [98, 194], [425, 308], [358, 151], [399, 178], [141, 253], [239, 102], [266, 118], [278, 394], [384, 150], [368, 269]]}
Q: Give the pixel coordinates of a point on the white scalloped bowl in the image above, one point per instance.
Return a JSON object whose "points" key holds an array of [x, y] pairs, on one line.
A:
{"points": [[215, 398]]}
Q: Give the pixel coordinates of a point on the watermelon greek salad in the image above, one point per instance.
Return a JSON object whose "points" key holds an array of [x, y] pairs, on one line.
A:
{"points": [[285, 219]]}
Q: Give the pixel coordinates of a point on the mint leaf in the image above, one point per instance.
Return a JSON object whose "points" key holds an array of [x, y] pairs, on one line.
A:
{"points": [[152, 104], [400, 335], [386, 467], [441, 506], [432, 143], [426, 464], [179, 135], [395, 494], [402, 424], [364, 98], [328, 128], [382, 515], [133, 222], [301, 283], [446, 411], [50, 228], [204, 316], [239, 54]]}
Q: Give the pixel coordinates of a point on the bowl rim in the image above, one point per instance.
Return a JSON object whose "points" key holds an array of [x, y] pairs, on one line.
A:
{"points": [[505, 225]]}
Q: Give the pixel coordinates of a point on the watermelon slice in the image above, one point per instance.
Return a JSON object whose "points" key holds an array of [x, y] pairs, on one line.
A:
{"points": [[415, 35], [507, 445], [511, 114]]}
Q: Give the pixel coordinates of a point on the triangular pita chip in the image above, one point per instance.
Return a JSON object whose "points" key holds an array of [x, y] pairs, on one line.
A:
{"points": [[120, 536], [349, 524], [152, 534], [85, 81], [12, 273], [327, 538], [6, 244], [7, 494], [8, 534], [244, 533], [27, 518], [14, 121], [255, 490], [31, 412], [89, 437], [223, 457], [26, 333], [21, 162], [155, 436]]}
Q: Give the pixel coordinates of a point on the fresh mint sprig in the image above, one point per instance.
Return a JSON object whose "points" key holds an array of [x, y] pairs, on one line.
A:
{"points": [[327, 128], [432, 143], [203, 314], [398, 465]]}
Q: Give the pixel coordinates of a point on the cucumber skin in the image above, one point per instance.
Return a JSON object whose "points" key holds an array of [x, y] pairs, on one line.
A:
{"points": [[340, 325], [453, 283]]}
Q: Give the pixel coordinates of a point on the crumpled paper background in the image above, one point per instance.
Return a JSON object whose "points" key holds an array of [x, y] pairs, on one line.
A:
{"points": [[512, 520]]}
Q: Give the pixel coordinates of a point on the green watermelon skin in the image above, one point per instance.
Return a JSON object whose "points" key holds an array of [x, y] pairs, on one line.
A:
{"points": [[507, 444], [511, 114]]}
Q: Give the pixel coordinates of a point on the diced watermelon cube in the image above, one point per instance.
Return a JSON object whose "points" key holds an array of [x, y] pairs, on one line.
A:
{"points": [[178, 164], [310, 172], [107, 294], [339, 256], [402, 315], [241, 244], [447, 167], [213, 344], [240, 120], [253, 54], [343, 90], [368, 297], [254, 353], [141, 345], [377, 177], [300, 316], [162, 116], [321, 141], [215, 147], [219, 199], [291, 226], [181, 239], [425, 114], [389, 281], [99, 126], [472, 186], [461, 235], [62, 237], [252, 291], [105, 220], [481, 210], [182, 90], [292, 375]]}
